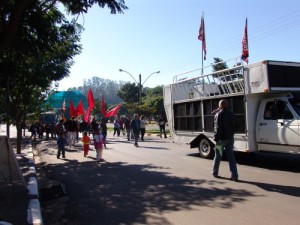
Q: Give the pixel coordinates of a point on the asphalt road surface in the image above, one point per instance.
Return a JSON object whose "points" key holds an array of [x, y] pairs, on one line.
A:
{"points": [[163, 183]]}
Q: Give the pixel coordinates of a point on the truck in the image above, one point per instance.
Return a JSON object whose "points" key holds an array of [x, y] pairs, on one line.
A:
{"points": [[49, 117], [264, 97]]}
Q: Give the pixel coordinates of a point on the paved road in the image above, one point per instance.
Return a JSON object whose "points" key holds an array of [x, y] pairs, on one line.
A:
{"points": [[165, 183]]}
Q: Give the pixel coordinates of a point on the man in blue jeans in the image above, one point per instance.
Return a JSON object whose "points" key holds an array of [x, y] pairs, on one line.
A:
{"points": [[223, 135]]}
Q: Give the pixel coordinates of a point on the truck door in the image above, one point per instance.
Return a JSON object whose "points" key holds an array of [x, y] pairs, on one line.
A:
{"points": [[278, 128]]}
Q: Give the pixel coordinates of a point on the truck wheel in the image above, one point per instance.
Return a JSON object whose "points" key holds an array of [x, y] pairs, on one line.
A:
{"points": [[206, 149]]}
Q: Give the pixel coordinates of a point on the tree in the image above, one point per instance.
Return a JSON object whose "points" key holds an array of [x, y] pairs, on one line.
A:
{"points": [[152, 104], [219, 64], [129, 92], [12, 14], [234, 73], [154, 101], [30, 68], [228, 76], [37, 45], [105, 87]]}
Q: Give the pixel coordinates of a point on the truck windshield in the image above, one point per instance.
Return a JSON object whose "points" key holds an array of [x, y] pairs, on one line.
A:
{"points": [[296, 104]]}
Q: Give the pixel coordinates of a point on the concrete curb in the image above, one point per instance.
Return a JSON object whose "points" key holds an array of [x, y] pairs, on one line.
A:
{"points": [[34, 215]]}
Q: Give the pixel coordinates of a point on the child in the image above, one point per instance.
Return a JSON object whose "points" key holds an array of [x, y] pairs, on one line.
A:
{"points": [[61, 143], [86, 143], [98, 140]]}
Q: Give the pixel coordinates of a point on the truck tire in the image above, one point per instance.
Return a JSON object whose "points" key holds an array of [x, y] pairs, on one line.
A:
{"points": [[206, 149]]}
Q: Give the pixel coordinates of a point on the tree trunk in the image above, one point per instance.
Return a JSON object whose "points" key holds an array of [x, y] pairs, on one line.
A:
{"points": [[19, 135]]}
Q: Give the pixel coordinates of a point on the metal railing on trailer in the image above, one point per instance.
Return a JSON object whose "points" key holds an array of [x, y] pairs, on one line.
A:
{"points": [[228, 81]]}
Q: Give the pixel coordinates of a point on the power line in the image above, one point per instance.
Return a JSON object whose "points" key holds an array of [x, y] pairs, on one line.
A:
{"points": [[272, 27]]}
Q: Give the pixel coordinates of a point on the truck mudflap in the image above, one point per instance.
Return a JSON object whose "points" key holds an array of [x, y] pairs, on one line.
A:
{"points": [[204, 145], [195, 142]]}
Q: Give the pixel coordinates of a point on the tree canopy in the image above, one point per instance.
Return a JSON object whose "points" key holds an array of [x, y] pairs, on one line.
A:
{"points": [[13, 14], [37, 46]]}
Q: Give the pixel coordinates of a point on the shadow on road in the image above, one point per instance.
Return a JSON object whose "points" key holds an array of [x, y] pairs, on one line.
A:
{"points": [[271, 161], [121, 193], [287, 190]]}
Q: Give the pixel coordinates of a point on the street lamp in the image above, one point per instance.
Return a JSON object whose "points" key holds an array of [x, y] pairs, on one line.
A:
{"points": [[149, 76], [140, 84], [129, 74]]}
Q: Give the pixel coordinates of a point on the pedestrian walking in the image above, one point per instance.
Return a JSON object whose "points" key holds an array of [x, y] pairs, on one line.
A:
{"points": [[86, 143], [47, 130], [121, 122], [223, 136], [61, 143], [162, 126], [83, 126], [60, 128], [72, 129], [143, 127], [103, 126], [33, 130], [127, 127], [117, 127], [52, 131], [40, 130], [94, 126], [98, 144], [136, 128]]}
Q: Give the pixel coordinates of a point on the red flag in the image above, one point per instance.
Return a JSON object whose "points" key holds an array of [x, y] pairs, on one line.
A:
{"points": [[103, 109], [63, 106], [79, 109], [201, 36], [113, 111], [245, 50], [72, 109], [87, 115], [91, 101]]}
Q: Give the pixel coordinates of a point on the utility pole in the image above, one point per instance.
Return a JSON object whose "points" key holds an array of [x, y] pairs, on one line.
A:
{"points": [[139, 83], [140, 89]]}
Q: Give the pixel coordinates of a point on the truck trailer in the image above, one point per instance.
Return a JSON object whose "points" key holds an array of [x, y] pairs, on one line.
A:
{"points": [[264, 97]]}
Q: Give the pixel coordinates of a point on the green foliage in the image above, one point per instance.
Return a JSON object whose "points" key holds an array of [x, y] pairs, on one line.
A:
{"points": [[37, 45], [152, 101], [76, 7], [158, 90], [42, 52], [105, 87], [12, 15], [219, 64], [30, 68], [129, 92]]}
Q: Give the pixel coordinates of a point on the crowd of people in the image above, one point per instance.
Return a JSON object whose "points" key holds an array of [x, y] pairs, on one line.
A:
{"points": [[66, 132]]}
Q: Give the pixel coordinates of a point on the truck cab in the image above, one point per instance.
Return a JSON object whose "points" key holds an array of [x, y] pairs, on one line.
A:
{"points": [[277, 125]]}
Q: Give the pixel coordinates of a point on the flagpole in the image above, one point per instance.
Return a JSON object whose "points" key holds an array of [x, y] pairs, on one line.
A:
{"points": [[201, 37], [202, 61], [202, 16]]}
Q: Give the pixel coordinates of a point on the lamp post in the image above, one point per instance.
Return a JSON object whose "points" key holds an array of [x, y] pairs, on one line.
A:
{"points": [[139, 84], [149, 76]]}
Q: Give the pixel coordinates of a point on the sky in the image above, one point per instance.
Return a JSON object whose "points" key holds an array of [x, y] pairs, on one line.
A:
{"points": [[162, 35]]}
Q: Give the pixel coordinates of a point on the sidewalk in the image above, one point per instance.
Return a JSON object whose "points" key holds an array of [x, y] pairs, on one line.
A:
{"points": [[19, 204]]}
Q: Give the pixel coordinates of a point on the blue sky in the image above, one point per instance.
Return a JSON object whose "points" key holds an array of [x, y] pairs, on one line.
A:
{"points": [[161, 35]]}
